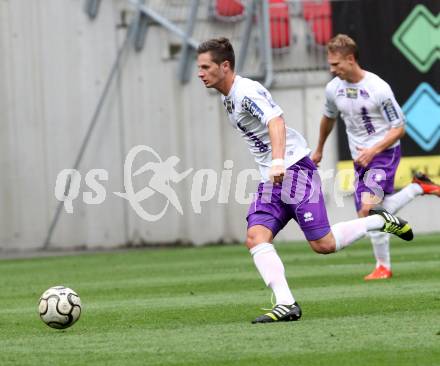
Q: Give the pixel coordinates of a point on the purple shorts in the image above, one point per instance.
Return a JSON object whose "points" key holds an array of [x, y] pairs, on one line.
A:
{"points": [[378, 177], [299, 198]]}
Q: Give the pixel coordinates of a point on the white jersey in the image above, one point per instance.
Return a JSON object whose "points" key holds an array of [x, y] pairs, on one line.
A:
{"points": [[250, 107], [368, 109]]}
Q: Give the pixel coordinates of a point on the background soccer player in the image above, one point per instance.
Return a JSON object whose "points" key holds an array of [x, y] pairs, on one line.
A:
{"points": [[282, 157], [374, 124]]}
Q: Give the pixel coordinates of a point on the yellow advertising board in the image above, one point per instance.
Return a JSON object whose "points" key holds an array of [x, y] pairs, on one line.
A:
{"points": [[407, 167]]}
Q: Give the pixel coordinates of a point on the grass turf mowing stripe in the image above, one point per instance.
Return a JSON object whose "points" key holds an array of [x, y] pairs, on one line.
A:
{"points": [[194, 306]]}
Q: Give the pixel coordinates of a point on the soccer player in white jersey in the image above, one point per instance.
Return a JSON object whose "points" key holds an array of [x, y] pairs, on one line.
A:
{"points": [[290, 187], [374, 124]]}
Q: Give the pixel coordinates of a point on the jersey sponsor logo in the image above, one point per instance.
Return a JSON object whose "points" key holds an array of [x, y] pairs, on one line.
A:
{"points": [[340, 93], [368, 124], [260, 145], [390, 110], [364, 94], [352, 93], [229, 105], [249, 106]]}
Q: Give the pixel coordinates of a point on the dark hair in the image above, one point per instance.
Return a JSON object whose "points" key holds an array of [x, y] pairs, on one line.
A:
{"points": [[221, 50], [343, 44]]}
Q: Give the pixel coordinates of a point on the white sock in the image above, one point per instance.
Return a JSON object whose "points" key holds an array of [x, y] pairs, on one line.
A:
{"points": [[374, 222], [347, 232], [271, 269], [381, 248], [396, 201]]}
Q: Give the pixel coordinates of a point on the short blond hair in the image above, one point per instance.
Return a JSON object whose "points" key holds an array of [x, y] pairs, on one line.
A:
{"points": [[344, 45]]}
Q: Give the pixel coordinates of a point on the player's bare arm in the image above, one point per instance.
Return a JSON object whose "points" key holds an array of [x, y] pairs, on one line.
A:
{"points": [[368, 153], [325, 128], [277, 134]]}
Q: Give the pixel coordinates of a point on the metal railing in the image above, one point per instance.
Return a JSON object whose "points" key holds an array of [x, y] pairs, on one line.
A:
{"points": [[271, 36]]}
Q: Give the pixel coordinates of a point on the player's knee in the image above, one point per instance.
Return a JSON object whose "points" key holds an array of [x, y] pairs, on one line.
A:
{"points": [[251, 240], [254, 238], [258, 234], [363, 212], [322, 247]]}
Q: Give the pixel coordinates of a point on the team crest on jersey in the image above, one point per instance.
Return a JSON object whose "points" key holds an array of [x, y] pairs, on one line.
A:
{"points": [[229, 105], [250, 106], [364, 94], [390, 110], [352, 93]]}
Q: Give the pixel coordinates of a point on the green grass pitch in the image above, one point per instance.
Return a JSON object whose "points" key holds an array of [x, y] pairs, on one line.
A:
{"points": [[193, 306]]}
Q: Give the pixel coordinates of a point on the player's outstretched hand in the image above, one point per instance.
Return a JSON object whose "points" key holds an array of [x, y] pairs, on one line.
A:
{"points": [[317, 157]]}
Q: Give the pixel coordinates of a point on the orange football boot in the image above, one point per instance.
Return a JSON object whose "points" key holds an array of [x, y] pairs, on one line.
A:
{"points": [[428, 186], [379, 273]]}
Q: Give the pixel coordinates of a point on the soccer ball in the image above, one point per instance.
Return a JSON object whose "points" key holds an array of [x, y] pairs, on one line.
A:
{"points": [[59, 307]]}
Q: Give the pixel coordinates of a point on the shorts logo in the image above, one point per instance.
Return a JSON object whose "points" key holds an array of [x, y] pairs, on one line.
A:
{"points": [[352, 93], [390, 111], [308, 216], [250, 106]]}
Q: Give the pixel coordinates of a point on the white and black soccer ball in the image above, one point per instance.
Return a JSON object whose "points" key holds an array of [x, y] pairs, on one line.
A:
{"points": [[59, 307]]}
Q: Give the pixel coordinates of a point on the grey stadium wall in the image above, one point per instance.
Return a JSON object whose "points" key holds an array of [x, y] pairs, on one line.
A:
{"points": [[54, 63]]}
